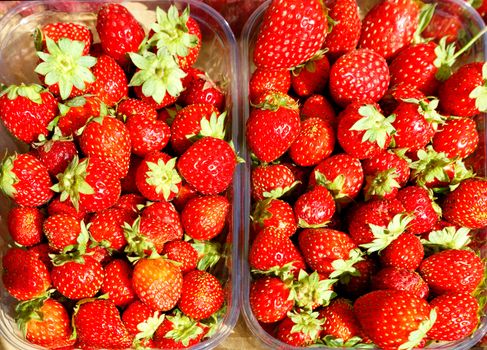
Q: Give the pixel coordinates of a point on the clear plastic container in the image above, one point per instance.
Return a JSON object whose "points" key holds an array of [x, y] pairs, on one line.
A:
{"points": [[219, 57], [472, 23]]}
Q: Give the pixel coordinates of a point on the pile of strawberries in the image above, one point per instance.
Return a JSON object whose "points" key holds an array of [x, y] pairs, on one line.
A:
{"points": [[366, 209], [123, 201]]}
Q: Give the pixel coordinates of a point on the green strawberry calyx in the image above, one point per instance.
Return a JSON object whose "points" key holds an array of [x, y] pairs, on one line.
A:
{"points": [[75, 252], [159, 74], [31, 92], [427, 108], [384, 236], [430, 166], [164, 177], [309, 65], [8, 178], [64, 64], [353, 342], [344, 269], [171, 32], [425, 16], [273, 100], [306, 322], [209, 253], [213, 127], [376, 126], [149, 327], [415, 337], [479, 94], [72, 182], [309, 291], [184, 329], [214, 322], [461, 173], [28, 310], [138, 246], [280, 191], [261, 211], [284, 272], [335, 187], [381, 184], [448, 238]]}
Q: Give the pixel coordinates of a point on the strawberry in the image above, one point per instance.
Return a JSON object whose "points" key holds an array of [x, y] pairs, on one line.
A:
{"points": [[136, 313], [201, 296], [55, 153], [318, 106], [182, 252], [58, 30], [108, 138], [263, 80], [61, 230], [178, 331], [25, 225], [157, 283], [129, 202], [131, 107], [345, 25], [276, 48], [157, 178], [56, 206], [270, 299], [271, 181], [315, 142], [456, 138], [26, 111], [457, 316], [24, 275], [389, 26], [452, 271], [146, 134], [342, 175], [363, 132], [26, 180], [406, 251], [357, 283], [273, 125], [397, 278], [274, 213], [205, 217], [300, 329], [465, 205], [147, 236], [119, 32], [117, 283], [360, 75], [416, 200], [110, 84], [208, 165], [311, 77], [314, 208], [462, 94], [106, 227], [165, 213], [203, 90], [45, 322], [76, 112], [389, 318], [98, 324], [444, 24], [340, 321]]}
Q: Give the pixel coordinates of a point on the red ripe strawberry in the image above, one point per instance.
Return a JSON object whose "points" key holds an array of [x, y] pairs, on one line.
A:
{"points": [[312, 76], [263, 80], [465, 206], [300, 329], [131, 106], [205, 217], [110, 84], [269, 299], [109, 139], [189, 122], [147, 236], [321, 247], [271, 181], [406, 251], [129, 202], [26, 180], [136, 313], [360, 75], [91, 184], [315, 142], [61, 231], [157, 178], [416, 200], [272, 126], [58, 30], [98, 325], [25, 225], [452, 271], [462, 94], [389, 316], [203, 90], [24, 275], [457, 138], [178, 331], [341, 174], [208, 165], [118, 283], [278, 48], [398, 93], [340, 321], [78, 279], [56, 206], [363, 132], [56, 154], [45, 322], [106, 227], [26, 111], [444, 24], [165, 213], [272, 248], [182, 252], [457, 316], [314, 208], [389, 26], [274, 213], [400, 279], [119, 32], [318, 106], [201, 296], [157, 282], [75, 113], [345, 28]]}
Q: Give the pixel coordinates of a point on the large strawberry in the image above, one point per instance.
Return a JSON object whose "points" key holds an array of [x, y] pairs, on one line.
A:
{"points": [[26, 180], [274, 213], [25, 225], [345, 27], [314, 208], [27, 110], [270, 299], [110, 84], [182, 252], [279, 47], [271, 181], [205, 217], [458, 137], [61, 230]]}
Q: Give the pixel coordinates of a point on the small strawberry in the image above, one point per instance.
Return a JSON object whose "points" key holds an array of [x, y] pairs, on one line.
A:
{"points": [[203, 90], [75, 113], [456, 138], [311, 77], [183, 253], [271, 181], [360, 75], [406, 251], [205, 217], [416, 200], [106, 227], [138, 313], [147, 236], [340, 321], [117, 283], [26, 180], [300, 329], [345, 25], [318, 106], [263, 80], [274, 213], [61, 230], [397, 278], [56, 206], [55, 153], [443, 24], [165, 213], [276, 48], [110, 84], [27, 111], [58, 30], [314, 208], [25, 225], [270, 299]]}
